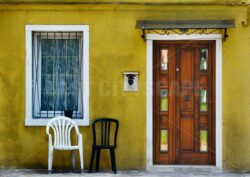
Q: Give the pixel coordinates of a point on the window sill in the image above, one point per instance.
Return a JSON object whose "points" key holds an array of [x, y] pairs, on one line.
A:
{"points": [[43, 122]]}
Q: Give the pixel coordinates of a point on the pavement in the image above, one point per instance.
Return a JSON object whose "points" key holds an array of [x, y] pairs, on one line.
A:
{"points": [[43, 173]]}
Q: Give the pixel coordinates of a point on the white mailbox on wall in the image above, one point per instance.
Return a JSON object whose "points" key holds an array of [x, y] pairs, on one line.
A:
{"points": [[130, 81]]}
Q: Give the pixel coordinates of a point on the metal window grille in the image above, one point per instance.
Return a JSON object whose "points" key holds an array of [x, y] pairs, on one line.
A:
{"points": [[57, 74]]}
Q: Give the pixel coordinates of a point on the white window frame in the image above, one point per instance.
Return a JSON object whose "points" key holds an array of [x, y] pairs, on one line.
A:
{"points": [[29, 29]]}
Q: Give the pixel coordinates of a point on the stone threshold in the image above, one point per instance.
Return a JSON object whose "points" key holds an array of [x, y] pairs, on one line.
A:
{"points": [[185, 168]]}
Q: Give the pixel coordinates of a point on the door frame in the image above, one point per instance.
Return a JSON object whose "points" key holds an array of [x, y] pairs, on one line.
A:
{"points": [[149, 90]]}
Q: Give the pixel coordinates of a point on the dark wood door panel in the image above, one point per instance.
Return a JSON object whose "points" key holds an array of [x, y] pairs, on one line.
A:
{"points": [[186, 67], [194, 159], [186, 134]]}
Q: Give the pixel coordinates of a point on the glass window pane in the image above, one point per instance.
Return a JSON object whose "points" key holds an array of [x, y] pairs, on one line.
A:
{"points": [[56, 70], [60, 74], [203, 100], [204, 57], [203, 141], [164, 140], [164, 100], [164, 59]]}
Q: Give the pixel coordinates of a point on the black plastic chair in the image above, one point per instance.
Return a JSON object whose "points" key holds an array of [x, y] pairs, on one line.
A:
{"points": [[104, 139]]}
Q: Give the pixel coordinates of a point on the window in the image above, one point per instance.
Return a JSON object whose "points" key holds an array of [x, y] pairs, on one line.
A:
{"points": [[203, 141], [203, 100], [164, 100], [57, 77], [203, 60], [164, 140], [164, 59]]}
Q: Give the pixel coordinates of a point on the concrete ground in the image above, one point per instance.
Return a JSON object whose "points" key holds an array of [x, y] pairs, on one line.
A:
{"points": [[41, 173]]}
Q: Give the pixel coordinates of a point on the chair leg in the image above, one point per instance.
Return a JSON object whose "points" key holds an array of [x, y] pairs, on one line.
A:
{"points": [[98, 159], [112, 155], [73, 159], [81, 158], [50, 160], [92, 159]]}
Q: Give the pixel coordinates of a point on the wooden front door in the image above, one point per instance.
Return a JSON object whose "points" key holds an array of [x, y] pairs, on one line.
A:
{"points": [[184, 102]]}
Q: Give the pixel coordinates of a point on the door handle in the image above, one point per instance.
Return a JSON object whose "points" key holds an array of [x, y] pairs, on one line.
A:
{"points": [[186, 98]]}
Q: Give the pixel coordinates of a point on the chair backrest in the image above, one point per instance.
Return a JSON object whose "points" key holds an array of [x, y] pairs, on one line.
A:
{"points": [[107, 135], [62, 127]]}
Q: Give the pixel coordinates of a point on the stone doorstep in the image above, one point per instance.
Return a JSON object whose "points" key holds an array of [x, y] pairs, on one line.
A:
{"points": [[185, 169]]}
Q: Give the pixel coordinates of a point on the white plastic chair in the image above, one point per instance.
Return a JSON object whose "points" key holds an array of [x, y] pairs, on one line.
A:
{"points": [[62, 127]]}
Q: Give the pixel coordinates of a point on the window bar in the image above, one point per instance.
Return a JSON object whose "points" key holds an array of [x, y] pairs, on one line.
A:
{"points": [[73, 78], [73, 73], [33, 92], [59, 77], [67, 72], [66, 76], [61, 94], [47, 95], [70, 74], [57, 85], [72, 88], [37, 64], [77, 83], [53, 75], [81, 75], [78, 73]]}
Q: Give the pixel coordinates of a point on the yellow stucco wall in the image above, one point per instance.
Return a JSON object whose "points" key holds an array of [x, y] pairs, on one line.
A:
{"points": [[133, 1], [115, 46]]}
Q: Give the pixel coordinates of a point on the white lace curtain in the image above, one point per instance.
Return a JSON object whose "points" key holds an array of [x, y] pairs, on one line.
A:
{"points": [[57, 67]]}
